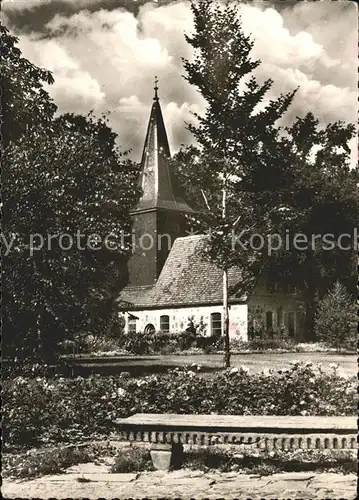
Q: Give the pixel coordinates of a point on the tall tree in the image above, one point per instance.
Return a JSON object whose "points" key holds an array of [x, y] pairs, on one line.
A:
{"points": [[322, 193], [64, 192], [67, 191], [233, 132]]}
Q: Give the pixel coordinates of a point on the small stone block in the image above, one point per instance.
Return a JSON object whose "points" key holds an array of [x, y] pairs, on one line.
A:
{"points": [[164, 456], [161, 455]]}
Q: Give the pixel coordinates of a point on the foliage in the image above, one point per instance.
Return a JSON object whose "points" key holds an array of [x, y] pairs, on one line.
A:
{"points": [[197, 327], [92, 344], [323, 202], [25, 104], [265, 462], [336, 318], [276, 343], [39, 462], [132, 459], [283, 181], [167, 342], [232, 136], [70, 410], [64, 178], [182, 344]]}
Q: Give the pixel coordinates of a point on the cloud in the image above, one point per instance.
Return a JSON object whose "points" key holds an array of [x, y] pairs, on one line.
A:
{"points": [[75, 90], [105, 58]]}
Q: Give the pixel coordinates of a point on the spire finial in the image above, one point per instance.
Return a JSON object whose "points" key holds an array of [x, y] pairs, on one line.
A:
{"points": [[156, 88]]}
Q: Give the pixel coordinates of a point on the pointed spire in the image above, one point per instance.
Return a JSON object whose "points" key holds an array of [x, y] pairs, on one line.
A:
{"points": [[156, 179]]}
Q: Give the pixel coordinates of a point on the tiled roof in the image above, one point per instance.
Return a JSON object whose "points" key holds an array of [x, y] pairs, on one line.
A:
{"points": [[186, 280]]}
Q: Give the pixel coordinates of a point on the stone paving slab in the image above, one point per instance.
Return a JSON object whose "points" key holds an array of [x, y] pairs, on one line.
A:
{"points": [[185, 484], [88, 468], [93, 478]]}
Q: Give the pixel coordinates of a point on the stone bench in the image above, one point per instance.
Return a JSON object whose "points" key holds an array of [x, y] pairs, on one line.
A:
{"points": [[167, 433]]}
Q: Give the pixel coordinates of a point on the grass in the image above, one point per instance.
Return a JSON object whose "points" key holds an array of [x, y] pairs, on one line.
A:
{"points": [[255, 362]]}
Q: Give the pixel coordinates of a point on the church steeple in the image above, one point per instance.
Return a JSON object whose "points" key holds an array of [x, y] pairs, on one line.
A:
{"points": [[155, 89], [159, 217], [156, 179]]}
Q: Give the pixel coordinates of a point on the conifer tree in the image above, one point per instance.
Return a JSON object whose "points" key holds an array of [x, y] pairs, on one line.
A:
{"points": [[335, 320]]}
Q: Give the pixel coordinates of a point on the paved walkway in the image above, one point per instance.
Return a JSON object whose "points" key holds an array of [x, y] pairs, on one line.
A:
{"points": [[94, 481]]}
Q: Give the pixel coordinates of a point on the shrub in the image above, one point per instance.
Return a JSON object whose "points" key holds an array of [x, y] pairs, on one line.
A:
{"points": [[258, 344], [335, 321], [210, 344], [137, 342], [132, 459], [185, 340], [93, 343], [13, 367], [198, 328], [38, 463], [157, 342]]}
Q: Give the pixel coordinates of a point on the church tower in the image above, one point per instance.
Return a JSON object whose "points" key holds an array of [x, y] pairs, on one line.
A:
{"points": [[159, 217]]}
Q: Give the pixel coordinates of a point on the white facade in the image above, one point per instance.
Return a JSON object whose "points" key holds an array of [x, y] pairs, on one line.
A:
{"points": [[179, 319]]}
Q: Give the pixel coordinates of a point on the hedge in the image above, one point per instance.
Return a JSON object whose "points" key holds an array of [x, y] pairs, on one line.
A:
{"points": [[41, 411]]}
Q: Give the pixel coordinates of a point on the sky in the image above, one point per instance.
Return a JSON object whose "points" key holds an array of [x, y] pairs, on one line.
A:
{"points": [[104, 55]]}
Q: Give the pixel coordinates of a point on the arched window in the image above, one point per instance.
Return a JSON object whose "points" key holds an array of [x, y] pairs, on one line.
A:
{"points": [[165, 323], [149, 328], [216, 324]]}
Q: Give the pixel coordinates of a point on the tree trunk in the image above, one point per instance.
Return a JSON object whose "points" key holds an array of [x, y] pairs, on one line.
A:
{"points": [[227, 353]]}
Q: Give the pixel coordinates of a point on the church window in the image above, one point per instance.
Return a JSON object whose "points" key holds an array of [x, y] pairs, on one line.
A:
{"points": [[216, 324], [132, 325], [149, 328], [165, 323]]}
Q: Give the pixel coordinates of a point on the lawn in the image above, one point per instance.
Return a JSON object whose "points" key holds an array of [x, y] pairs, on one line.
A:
{"points": [[255, 362]]}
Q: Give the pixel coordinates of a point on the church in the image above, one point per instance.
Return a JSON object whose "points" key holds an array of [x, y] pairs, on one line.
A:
{"points": [[170, 286]]}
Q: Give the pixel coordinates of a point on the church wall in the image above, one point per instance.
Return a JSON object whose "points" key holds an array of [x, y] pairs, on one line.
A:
{"points": [[287, 308], [179, 319], [142, 266]]}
